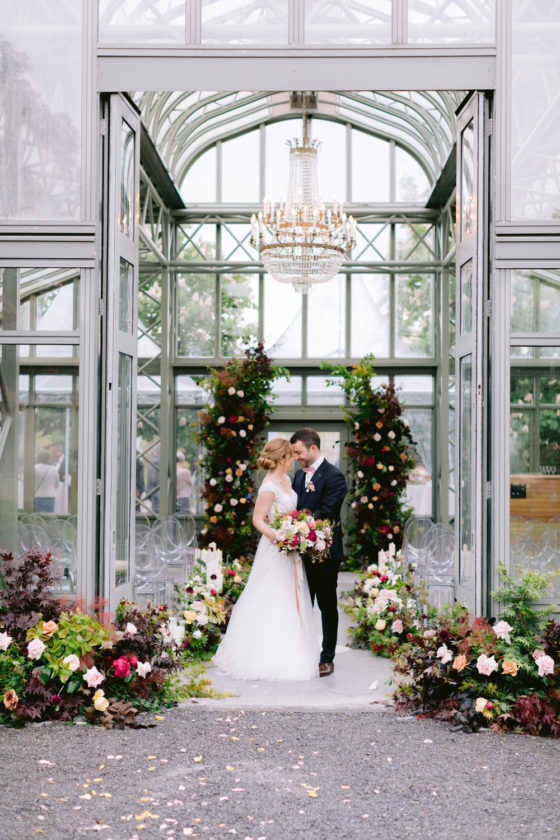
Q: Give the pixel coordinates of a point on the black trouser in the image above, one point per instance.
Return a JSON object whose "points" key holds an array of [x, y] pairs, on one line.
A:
{"points": [[322, 579]]}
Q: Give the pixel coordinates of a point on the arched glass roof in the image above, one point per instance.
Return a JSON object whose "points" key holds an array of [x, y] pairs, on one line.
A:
{"points": [[184, 124]]}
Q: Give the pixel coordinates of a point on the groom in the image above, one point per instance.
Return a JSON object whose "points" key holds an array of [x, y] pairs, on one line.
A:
{"points": [[321, 488]]}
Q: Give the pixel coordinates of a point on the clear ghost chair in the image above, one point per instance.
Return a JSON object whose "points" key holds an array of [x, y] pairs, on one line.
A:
{"points": [[149, 582], [31, 535], [550, 545], [440, 564], [535, 530], [414, 543], [63, 564], [189, 528], [526, 554], [170, 544]]}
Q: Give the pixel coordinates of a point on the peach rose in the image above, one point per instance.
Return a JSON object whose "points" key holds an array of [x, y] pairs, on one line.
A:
{"points": [[459, 662], [510, 667], [49, 628], [10, 699]]}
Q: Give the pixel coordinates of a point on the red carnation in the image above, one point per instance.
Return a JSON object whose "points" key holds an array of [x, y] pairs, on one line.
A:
{"points": [[121, 667], [370, 461]]}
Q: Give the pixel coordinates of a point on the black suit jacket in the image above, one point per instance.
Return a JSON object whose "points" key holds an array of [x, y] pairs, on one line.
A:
{"points": [[325, 501]]}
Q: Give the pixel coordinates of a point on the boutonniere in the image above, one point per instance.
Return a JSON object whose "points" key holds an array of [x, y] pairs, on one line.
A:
{"points": [[310, 487]]}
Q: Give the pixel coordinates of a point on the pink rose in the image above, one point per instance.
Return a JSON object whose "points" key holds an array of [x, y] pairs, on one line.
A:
{"points": [[486, 664], [133, 661], [537, 654], [202, 619], [546, 665], [93, 677], [71, 661], [121, 667], [397, 626], [501, 629], [429, 634], [35, 649], [214, 592]]}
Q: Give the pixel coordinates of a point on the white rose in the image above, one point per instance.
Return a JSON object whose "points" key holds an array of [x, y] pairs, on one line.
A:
{"points": [[143, 668], [480, 704], [377, 436], [240, 393], [229, 477], [72, 662], [221, 419], [360, 474], [35, 649], [231, 391], [218, 508], [5, 641], [391, 435], [93, 677], [197, 634], [233, 502], [130, 629], [380, 624], [242, 433], [212, 482], [202, 619]]}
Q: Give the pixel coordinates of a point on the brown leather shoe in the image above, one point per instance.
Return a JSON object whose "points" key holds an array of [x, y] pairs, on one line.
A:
{"points": [[326, 668]]}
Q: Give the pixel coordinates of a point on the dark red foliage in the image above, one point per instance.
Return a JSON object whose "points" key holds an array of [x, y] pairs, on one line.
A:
{"points": [[37, 702], [536, 716], [28, 592]]}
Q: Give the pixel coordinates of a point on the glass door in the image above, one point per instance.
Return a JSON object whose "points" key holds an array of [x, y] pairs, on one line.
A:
{"points": [[470, 450], [121, 348]]}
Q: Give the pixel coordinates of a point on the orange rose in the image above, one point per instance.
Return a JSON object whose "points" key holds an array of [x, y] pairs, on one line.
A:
{"points": [[403, 456], [379, 424], [10, 699], [238, 472], [460, 662], [510, 667], [377, 486], [213, 519], [49, 628], [396, 529]]}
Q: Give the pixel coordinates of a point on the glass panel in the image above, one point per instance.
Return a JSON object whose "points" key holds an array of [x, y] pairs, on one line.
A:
{"points": [[141, 22], [326, 319], [200, 183], [331, 164], [128, 192], [466, 500], [235, 242], [348, 22], [467, 180], [414, 331], [412, 182], [452, 313], [282, 320], [373, 242], [370, 315], [466, 299], [522, 302], [188, 390], [415, 242], [535, 301], [419, 486], [244, 22], [535, 466], [124, 478], [39, 463], [126, 286], [239, 313], [287, 392], [41, 103], [47, 299], [415, 390], [319, 393], [196, 315], [149, 316], [535, 123], [451, 22], [196, 242], [370, 168], [240, 168], [189, 481], [277, 156]]}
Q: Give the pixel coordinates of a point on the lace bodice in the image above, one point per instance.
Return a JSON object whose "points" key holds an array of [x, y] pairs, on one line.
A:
{"points": [[283, 501]]}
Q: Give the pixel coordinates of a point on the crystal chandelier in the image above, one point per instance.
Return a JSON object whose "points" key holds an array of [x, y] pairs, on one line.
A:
{"points": [[300, 241]]}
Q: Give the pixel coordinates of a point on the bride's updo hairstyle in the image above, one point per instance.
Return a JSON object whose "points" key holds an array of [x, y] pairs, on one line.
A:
{"points": [[273, 452]]}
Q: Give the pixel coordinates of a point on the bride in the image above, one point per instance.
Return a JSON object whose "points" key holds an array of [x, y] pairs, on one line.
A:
{"points": [[271, 633]]}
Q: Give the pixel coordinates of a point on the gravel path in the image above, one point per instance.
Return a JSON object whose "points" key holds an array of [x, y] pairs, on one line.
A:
{"points": [[277, 775]]}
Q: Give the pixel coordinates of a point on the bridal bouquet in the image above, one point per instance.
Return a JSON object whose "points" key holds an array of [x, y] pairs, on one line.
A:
{"points": [[300, 532]]}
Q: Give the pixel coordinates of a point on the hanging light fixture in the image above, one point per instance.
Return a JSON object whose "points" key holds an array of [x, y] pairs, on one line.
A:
{"points": [[301, 242]]}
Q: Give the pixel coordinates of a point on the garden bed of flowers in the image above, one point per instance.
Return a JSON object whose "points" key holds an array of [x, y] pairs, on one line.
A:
{"points": [[386, 605], [58, 661], [478, 672]]}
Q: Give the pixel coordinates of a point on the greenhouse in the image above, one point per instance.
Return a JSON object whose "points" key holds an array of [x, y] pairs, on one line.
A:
{"points": [[138, 141]]}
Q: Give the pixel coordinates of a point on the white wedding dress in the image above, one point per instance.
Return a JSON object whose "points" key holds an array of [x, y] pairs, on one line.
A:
{"points": [[271, 633]]}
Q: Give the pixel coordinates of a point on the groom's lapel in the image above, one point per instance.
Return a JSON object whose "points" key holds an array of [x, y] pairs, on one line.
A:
{"points": [[319, 474]]}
